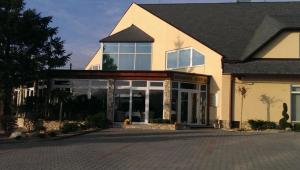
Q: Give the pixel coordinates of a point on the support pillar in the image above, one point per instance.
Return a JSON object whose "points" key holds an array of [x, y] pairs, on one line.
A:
{"points": [[110, 100], [167, 100]]}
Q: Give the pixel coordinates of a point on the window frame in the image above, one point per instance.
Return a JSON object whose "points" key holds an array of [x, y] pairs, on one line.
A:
{"points": [[135, 54], [177, 58]]}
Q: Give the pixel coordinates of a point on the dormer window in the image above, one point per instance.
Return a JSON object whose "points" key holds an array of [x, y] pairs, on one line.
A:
{"points": [[129, 49], [182, 58], [127, 56]]}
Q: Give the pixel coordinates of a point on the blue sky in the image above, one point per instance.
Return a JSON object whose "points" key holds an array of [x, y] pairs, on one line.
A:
{"points": [[82, 23]]}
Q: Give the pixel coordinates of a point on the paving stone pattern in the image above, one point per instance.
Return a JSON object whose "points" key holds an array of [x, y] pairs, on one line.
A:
{"points": [[154, 149]]}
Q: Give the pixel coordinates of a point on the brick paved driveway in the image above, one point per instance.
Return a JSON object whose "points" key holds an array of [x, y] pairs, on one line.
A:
{"points": [[146, 149]]}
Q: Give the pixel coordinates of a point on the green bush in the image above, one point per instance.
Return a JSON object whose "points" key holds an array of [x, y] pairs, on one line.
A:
{"points": [[70, 127], [283, 121], [261, 125], [97, 120]]}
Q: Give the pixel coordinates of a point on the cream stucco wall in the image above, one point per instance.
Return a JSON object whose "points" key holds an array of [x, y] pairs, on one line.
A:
{"points": [[286, 45], [95, 60], [276, 90], [169, 38], [226, 99]]}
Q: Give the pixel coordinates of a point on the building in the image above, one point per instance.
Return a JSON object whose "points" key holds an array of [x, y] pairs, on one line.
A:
{"points": [[187, 63]]}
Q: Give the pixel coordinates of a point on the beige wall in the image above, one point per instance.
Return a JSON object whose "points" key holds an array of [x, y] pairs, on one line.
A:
{"points": [[286, 45], [169, 38], [276, 90], [95, 60], [226, 99]]}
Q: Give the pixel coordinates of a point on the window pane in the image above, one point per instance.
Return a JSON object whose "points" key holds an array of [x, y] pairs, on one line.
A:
{"points": [[296, 89], [198, 59], [122, 83], [174, 106], [188, 86], [172, 60], [98, 101], [143, 48], [155, 106], [156, 84], [62, 82], [98, 83], [81, 83], [174, 85], [126, 62], [139, 83], [138, 105], [143, 62], [184, 58], [110, 62], [295, 107], [122, 100], [110, 48], [80, 92], [127, 47]]}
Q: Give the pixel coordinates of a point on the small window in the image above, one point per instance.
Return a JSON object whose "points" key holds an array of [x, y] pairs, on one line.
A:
{"points": [[184, 58], [127, 47], [175, 85], [198, 58], [295, 89], [62, 82], [203, 87], [110, 48], [156, 84], [139, 83], [80, 83], [122, 83], [172, 60], [97, 83], [188, 86], [143, 48]]}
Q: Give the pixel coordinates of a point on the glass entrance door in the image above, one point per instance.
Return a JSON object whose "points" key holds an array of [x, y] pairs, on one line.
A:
{"points": [[138, 105], [184, 105], [190, 108]]}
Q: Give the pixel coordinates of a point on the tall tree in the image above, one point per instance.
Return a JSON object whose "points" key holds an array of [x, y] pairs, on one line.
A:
{"points": [[28, 46]]}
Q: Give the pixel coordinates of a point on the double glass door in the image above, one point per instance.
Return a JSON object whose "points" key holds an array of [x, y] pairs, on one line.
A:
{"points": [[190, 108]]}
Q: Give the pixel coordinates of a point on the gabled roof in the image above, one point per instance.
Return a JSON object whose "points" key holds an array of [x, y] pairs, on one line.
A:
{"points": [[235, 30], [130, 34]]}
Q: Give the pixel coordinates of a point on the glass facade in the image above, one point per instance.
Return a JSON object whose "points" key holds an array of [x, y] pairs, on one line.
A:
{"points": [[141, 101], [127, 56], [187, 57], [156, 106]]}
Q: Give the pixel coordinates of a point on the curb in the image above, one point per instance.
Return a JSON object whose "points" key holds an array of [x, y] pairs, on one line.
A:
{"points": [[64, 136]]}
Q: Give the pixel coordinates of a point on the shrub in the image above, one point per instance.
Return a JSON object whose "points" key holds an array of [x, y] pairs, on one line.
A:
{"points": [[261, 125], [97, 120], [70, 127], [283, 121]]}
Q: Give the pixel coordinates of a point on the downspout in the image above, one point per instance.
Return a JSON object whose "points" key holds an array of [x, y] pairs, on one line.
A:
{"points": [[232, 90]]}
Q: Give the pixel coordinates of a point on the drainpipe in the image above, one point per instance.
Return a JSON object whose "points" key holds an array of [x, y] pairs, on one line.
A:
{"points": [[232, 90]]}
